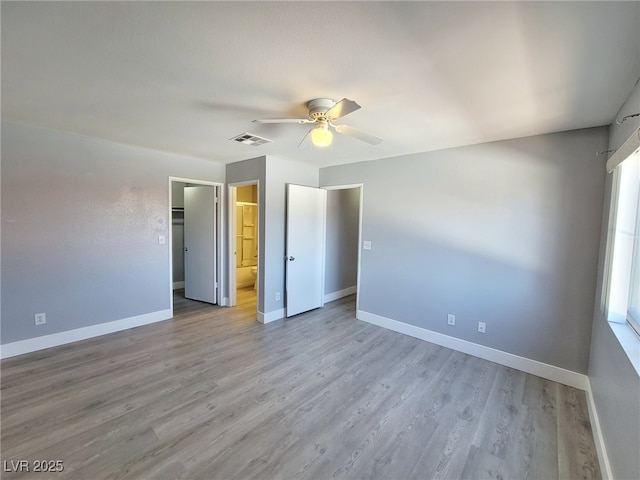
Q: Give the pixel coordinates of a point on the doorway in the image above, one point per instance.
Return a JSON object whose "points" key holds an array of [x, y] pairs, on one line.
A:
{"points": [[196, 244], [343, 240], [244, 246], [323, 233]]}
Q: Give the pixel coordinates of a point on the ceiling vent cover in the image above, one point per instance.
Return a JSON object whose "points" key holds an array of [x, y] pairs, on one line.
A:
{"points": [[251, 139]]}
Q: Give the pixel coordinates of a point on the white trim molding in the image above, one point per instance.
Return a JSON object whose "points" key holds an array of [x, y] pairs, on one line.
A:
{"points": [[544, 370], [345, 292], [271, 316], [56, 339], [601, 449]]}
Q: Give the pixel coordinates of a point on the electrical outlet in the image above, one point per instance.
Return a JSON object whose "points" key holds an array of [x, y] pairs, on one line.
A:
{"points": [[482, 327], [277, 296], [366, 245], [451, 319], [40, 318]]}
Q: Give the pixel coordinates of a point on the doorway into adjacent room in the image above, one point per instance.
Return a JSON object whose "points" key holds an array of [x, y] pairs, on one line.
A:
{"points": [[196, 244], [244, 246], [343, 240]]}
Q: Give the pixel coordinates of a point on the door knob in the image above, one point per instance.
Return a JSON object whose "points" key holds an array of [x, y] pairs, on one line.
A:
{"points": [[291, 259]]}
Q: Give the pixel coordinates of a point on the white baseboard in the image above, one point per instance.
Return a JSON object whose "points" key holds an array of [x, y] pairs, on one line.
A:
{"points": [[55, 339], [271, 316], [178, 285], [550, 372], [330, 297], [603, 458]]}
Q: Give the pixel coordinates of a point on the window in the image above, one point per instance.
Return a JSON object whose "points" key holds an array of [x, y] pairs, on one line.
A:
{"points": [[633, 308], [623, 292]]}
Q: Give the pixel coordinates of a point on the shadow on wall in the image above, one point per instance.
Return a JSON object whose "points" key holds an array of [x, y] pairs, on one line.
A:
{"points": [[504, 233], [525, 310]]}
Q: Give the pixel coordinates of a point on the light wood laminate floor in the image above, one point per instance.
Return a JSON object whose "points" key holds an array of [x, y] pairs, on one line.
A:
{"points": [[213, 394]]}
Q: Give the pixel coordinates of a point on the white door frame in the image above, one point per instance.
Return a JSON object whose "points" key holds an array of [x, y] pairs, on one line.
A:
{"points": [[220, 237], [360, 208], [231, 240]]}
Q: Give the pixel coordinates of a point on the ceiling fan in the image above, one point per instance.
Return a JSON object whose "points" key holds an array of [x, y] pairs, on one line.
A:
{"points": [[322, 113]]}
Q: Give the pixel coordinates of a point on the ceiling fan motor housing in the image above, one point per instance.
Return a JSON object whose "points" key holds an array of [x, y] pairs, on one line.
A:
{"points": [[318, 107]]}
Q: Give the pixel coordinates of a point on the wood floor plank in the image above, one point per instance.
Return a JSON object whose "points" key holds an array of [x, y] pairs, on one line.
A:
{"points": [[213, 394], [540, 398], [345, 411], [457, 423], [576, 450]]}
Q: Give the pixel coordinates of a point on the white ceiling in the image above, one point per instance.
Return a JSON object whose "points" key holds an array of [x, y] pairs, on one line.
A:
{"points": [[186, 77]]}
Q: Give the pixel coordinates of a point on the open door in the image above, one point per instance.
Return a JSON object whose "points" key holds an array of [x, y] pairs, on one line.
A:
{"points": [[200, 281], [305, 248]]}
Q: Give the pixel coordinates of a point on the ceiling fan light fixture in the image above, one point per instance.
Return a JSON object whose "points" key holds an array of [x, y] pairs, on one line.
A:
{"points": [[321, 136], [322, 113]]}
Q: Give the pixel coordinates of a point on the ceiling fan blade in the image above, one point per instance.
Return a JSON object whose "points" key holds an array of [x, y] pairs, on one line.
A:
{"points": [[342, 108], [304, 138], [284, 120], [359, 134]]}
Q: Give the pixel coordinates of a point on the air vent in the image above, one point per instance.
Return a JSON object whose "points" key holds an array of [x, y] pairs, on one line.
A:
{"points": [[251, 139]]}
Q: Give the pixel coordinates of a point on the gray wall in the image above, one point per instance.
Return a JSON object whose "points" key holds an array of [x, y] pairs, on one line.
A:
{"points": [[614, 382], [177, 231], [341, 258], [280, 172], [506, 233], [177, 194], [80, 224], [273, 174]]}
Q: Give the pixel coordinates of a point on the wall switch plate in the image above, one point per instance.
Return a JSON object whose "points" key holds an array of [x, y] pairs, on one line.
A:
{"points": [[482, 327], [451, 319], [40, 318], [366, 245], [161, 240]]}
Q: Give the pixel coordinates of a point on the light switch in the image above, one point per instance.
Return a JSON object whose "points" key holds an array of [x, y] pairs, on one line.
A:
{"points": [[366, 245], [161, 240]]}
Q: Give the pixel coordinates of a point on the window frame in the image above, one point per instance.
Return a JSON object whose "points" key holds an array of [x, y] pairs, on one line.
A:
{"points": [[633, 318], [614, 268]]}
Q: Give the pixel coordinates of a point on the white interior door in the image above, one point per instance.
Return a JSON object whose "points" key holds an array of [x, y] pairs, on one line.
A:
{"points": [[306, 210], [200, 243]]}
